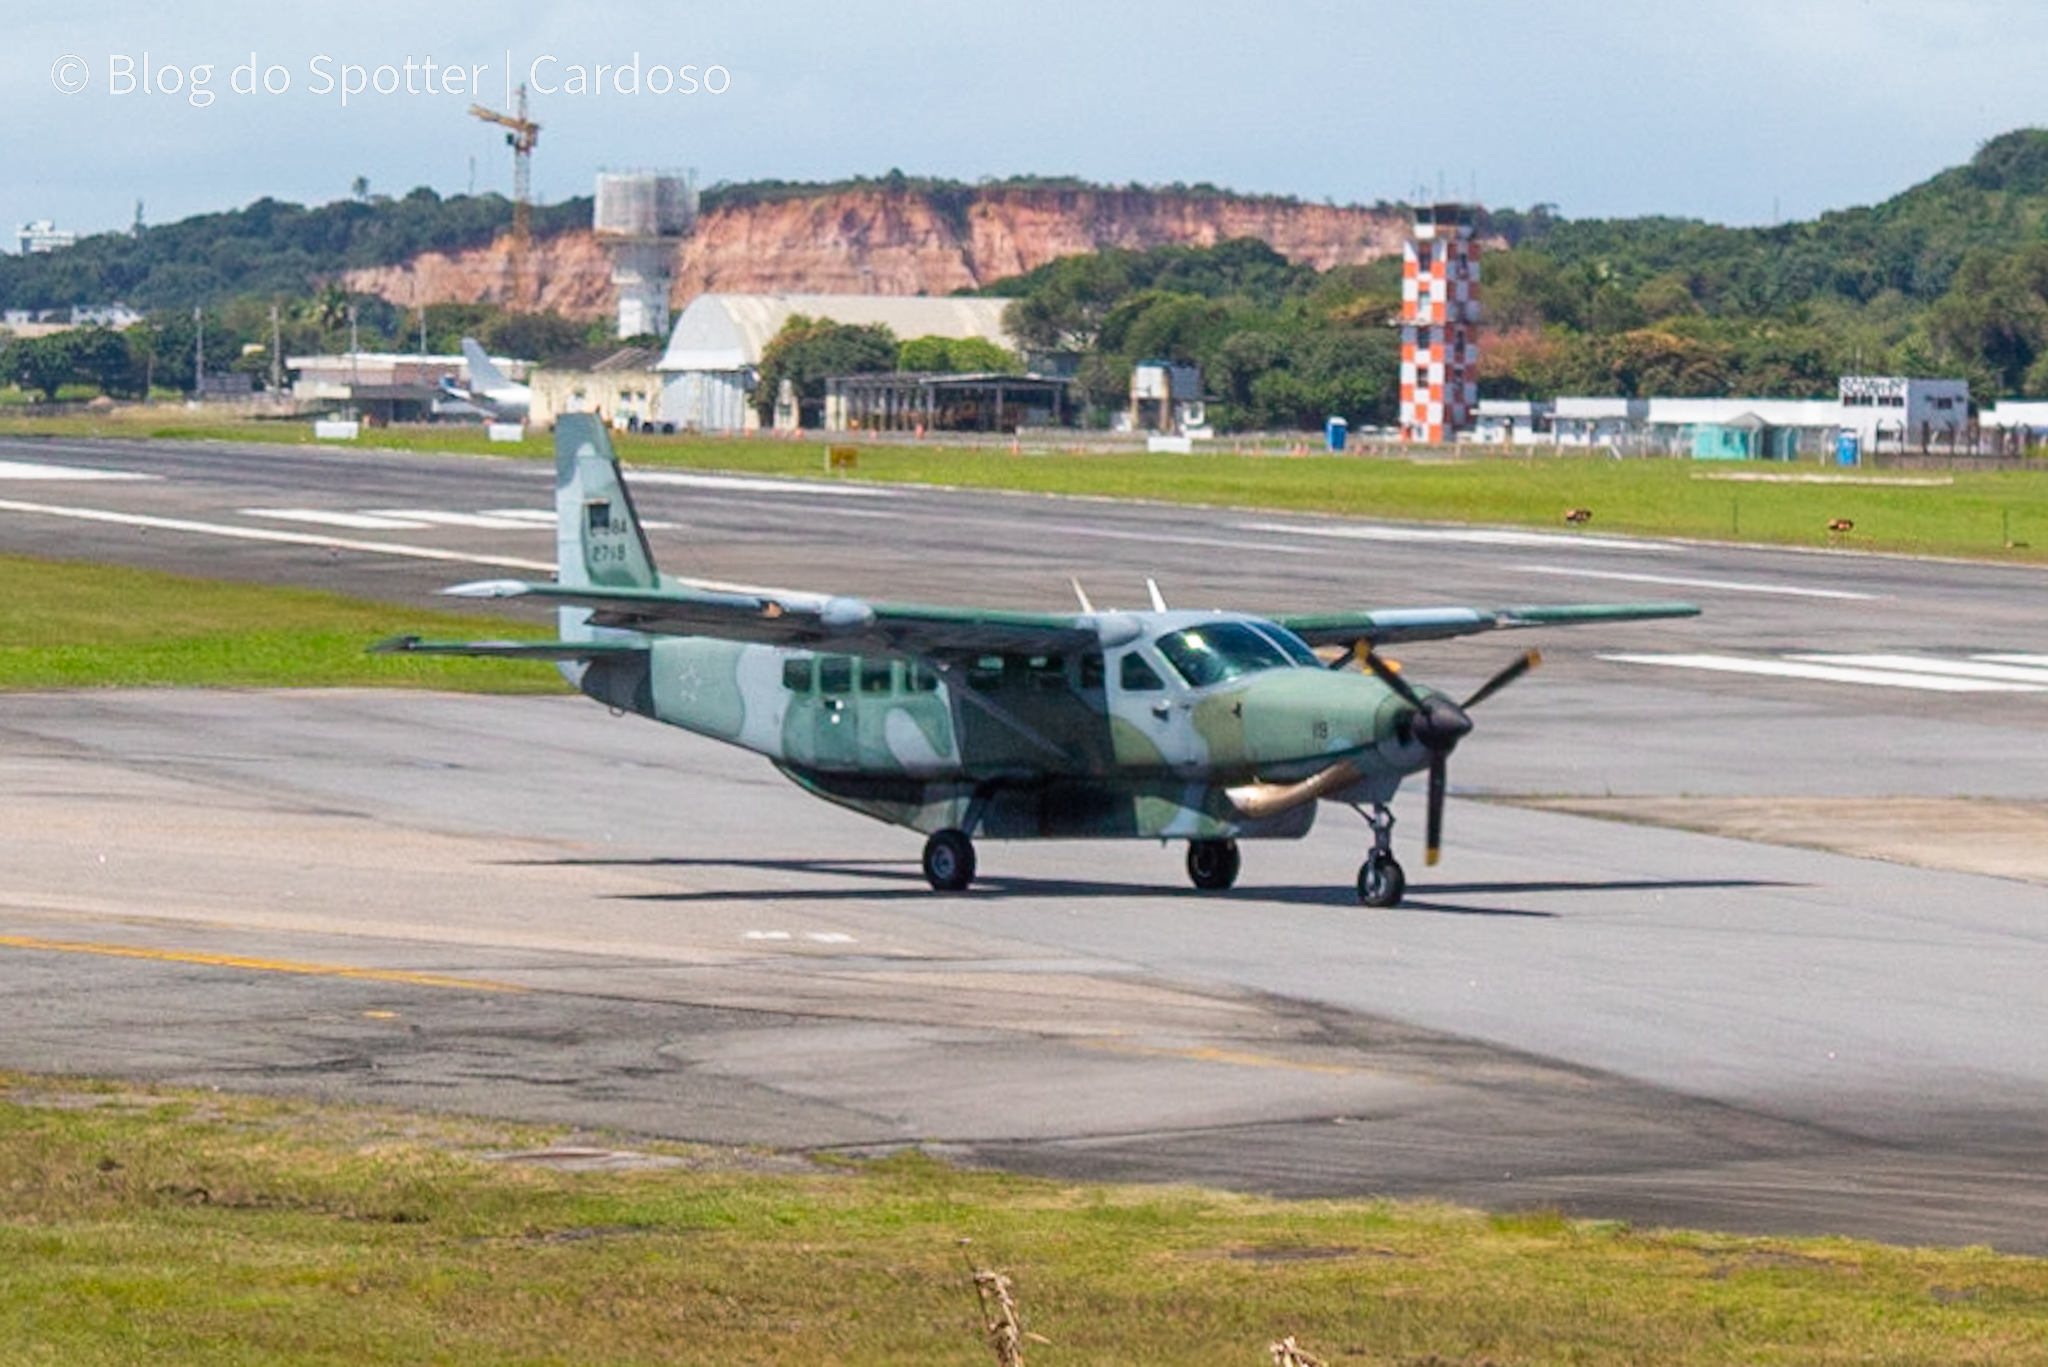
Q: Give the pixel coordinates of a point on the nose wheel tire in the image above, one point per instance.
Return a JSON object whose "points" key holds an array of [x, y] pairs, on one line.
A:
{"points": [[1213, 864], [1381, 882], [949, 861]]}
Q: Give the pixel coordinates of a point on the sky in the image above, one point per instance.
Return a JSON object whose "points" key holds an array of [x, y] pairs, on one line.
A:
{"points": [[1733, 111]]}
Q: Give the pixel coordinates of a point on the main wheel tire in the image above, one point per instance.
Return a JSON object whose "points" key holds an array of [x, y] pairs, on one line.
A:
{"points": [[1213, 864], [1381, 882], [949, 861]]}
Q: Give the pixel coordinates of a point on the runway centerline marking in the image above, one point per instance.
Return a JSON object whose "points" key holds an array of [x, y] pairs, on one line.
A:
{"points": [[310, 970], [265, 534], [1146, 538], [325, 517], [485, 522], [1682, 582], [1827, 673], [1464, 536], [38, 470]]}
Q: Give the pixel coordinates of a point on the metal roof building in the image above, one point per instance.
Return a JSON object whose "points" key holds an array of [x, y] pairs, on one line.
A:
{"points": [[715, 348]]}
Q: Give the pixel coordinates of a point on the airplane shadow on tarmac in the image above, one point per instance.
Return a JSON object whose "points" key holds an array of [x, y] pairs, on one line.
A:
{"points": [[895, 879]]}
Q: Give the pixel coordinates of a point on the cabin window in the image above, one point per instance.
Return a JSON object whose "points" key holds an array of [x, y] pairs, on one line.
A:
{"points": [[877, 676], [835, 675], [985, 673], [796, 674], [922, 680], [1047, 673], [1138, 677], [1091, 670]]}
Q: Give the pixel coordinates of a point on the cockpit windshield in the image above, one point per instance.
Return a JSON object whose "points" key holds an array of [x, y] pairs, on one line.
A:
{"points": [[1216, 651]]}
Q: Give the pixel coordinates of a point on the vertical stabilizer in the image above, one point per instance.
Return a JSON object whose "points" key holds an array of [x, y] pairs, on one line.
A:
{"points": [[598, 540], [483, 376]]}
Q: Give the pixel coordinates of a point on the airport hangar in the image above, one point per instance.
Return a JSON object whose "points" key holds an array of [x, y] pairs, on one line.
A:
{"points": [[714, 351]]}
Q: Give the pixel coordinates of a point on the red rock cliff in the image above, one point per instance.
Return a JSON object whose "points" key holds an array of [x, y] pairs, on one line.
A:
{"points": [[883, 242]]}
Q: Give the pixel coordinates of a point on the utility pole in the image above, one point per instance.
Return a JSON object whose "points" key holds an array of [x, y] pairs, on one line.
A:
{"points": [[276, 351], [198, 353]]}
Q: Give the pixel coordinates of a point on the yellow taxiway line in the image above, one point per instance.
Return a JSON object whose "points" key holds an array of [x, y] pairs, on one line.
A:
{"points": [[187, 956]]}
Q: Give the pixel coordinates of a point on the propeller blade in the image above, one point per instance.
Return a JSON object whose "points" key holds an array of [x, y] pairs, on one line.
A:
{"points": [[1516, 669], [1439, 769], [1385, 673]]}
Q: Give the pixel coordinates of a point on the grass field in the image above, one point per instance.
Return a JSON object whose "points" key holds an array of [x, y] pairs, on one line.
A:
{"points": [[170, 1228], [65, 625], [1980, 515]]}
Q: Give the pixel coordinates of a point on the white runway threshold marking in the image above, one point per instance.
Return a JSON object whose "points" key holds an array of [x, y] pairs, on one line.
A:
{"points": [[265, 534], [1680, 582], [747, 485], [1976, 667], [1930, 676], [37, 470]]}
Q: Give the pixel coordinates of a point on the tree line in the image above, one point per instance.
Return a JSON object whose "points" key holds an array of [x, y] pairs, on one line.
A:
{"points": [[166, 350]]}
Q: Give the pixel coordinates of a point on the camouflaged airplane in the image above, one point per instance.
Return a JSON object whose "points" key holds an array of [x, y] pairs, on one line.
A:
{"points": [[1208, 727]]}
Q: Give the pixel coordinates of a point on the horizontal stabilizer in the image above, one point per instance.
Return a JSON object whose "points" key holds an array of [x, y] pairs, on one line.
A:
{"points": [[509, 650]]}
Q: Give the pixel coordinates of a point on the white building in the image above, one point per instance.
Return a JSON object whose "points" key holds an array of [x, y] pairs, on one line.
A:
{"points": [[115, 316], [2025, 415], [1892, 410], [1883, 413], [44, 235], [714, 353]]}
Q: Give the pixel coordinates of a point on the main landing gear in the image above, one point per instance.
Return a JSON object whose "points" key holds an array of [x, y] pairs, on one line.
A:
{"points": [[949, 861], [1380, 880], [1213, 864]]}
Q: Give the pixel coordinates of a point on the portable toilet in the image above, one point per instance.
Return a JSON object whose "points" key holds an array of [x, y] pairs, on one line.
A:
{"points": [[1334, 431]]}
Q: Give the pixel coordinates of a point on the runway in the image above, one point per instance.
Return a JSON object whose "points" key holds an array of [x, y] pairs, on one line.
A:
{"points": [[526, 907]]}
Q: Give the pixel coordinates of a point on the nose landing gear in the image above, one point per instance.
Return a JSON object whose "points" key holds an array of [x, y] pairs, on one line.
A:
{"points": [[1380, 880]]}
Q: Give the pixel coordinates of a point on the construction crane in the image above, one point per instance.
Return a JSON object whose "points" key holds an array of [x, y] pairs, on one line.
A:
{"points": [[522, 135]]}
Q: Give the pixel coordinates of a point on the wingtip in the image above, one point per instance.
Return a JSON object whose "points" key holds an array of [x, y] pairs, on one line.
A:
{"points": [[489, 588]]}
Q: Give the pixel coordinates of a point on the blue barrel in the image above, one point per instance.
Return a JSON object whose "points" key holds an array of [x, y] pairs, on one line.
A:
{"points": [[1334, 431]]}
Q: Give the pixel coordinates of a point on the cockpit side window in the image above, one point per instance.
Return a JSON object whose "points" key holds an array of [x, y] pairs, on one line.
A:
{"points": [[1135, 676], [1292, 646]]}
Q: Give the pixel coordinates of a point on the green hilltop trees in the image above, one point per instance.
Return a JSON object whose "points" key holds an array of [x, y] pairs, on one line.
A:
{"points": [[1948, 278]]}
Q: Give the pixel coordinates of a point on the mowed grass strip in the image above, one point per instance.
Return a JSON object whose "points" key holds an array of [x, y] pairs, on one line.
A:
{"points": [[170, 1228], [69, 625], [1997, 516]]}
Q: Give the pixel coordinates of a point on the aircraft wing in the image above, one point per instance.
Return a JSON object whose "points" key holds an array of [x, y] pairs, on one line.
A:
{"points": [[771, 617], [1397, 625]]}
